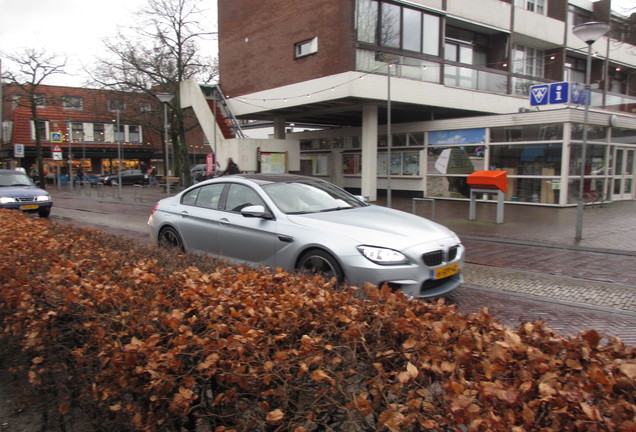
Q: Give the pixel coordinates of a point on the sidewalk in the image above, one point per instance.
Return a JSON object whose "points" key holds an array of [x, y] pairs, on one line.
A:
{"points": [[532, 253]]}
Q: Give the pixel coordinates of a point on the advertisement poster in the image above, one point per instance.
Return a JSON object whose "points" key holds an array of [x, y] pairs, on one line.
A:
{"points": [[273, 163]]}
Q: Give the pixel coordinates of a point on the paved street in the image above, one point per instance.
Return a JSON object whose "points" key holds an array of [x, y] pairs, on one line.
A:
{"points": [[528, 268]]}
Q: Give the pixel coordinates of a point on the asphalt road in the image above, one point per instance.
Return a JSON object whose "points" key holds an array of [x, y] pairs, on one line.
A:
{"points": [[516, 282]]}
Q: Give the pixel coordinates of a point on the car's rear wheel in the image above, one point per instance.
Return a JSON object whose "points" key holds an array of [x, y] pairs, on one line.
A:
{"points": [[170, 238], [319, 262]]}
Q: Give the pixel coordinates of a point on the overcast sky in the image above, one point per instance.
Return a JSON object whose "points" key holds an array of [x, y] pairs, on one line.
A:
{"points": [[75, 28]]}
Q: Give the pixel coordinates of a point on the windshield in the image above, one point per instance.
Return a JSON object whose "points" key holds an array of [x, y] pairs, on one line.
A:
{"points": [[310, 197], [15, 179]]}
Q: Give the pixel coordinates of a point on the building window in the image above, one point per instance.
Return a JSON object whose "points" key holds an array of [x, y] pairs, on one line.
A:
{"points": [[527, 61], [145, 107], [120, 136], [99, 132], [40, 101], [72, 102], [306, 48], [578, 16], [391, 25], [134, 134], [43, 130], [617, 80], [574, 69], [77, 132], [116, 105], [537, 6], [367, 20]]}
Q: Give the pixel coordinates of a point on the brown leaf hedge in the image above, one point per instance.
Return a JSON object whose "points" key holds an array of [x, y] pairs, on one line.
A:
{"points": [[147, 339]]}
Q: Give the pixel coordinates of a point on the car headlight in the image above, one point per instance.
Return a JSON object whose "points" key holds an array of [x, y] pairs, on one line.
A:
{"points": [[43, 198], [6, 200], [382, 256]]}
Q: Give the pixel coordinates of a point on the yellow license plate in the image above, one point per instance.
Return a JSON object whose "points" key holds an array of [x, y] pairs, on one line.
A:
{"points": [[446, 271], [28, 207]]}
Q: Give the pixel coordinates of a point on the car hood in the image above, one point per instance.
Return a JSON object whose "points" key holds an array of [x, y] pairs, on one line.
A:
{"points": [[23, 191], [376, 225]]}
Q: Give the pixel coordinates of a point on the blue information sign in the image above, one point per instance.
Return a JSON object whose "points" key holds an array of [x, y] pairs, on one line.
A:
{"points": [[555, 93], [539, 95]]}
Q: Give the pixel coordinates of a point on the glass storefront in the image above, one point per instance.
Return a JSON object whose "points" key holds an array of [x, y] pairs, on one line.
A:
{"points": [[543, 161]]}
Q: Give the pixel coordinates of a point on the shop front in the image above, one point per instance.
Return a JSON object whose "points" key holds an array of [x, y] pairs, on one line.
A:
{"points": [[539, 150]]}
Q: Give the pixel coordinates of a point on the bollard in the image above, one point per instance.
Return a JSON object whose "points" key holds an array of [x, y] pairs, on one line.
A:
{"points": [[100, 189], [138, 192], [431, 200]]}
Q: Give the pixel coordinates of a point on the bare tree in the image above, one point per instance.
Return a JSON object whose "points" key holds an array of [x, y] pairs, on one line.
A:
{"points": [[31, 68], [162, 51]]}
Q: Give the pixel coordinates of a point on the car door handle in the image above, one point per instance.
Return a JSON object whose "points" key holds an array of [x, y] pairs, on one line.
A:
{"points": [[184, 214], [285, 238], [224, 221]]}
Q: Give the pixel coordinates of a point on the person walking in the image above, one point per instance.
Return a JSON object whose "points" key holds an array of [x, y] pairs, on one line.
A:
{"points": [[152, 176], [232, 168]]}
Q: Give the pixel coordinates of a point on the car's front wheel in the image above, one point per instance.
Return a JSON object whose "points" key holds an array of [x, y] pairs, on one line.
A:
{"points": [[170, 238], [44, 212], [319, 262]]}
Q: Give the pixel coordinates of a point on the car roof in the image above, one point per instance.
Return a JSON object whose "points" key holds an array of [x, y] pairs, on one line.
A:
{"points": [[261, 178], [10, 171]]}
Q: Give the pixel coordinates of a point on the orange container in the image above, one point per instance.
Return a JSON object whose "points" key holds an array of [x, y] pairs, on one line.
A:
{"points": [[488, 180]]}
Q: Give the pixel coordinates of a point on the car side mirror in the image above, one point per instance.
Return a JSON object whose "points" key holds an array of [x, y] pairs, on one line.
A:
{"points": [[256, 211]]}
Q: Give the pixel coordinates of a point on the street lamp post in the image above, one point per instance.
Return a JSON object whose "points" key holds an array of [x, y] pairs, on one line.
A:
{"points": [[589, 33], [165, 98], [389, 134], [119, 157]]}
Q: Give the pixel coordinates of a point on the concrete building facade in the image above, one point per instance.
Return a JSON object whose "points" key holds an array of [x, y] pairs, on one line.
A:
{"points": [[390, 91]]}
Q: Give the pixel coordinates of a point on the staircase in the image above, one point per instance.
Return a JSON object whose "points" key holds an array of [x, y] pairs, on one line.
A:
{"points": [[225, 120]]}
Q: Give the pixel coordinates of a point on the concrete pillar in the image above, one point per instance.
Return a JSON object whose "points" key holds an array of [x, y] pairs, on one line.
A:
{"points": [[369, 179], [279, 128]]}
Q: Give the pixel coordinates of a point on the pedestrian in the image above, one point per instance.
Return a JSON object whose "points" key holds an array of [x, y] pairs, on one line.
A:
{"points": [[152, 176], [232, 168], [33, 173], [80, 173]]}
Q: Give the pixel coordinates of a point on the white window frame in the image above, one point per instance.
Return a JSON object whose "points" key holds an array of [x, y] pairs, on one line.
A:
{"points": [[536, 6], [47, 131], [306, 47], [531, 63]]}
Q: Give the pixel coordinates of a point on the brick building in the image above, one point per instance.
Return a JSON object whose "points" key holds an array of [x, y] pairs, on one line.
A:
{"points": [[84, 124]]}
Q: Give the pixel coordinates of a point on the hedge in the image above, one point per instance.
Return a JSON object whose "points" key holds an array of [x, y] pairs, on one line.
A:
{"points": [[139, 338]]}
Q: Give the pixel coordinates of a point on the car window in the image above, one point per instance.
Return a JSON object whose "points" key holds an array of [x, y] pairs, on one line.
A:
{"points": [[240, 196], [209, 196], [190, 197], [14, 179]]}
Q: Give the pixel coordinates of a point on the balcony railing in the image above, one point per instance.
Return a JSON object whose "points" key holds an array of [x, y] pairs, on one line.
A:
{"points": [[476, 78]]}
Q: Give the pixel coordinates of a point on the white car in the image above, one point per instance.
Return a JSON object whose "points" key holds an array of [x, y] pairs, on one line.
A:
{"points": [[310, 225]]}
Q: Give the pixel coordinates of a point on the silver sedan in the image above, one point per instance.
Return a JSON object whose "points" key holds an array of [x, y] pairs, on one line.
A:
{"points": [[310, 225]]}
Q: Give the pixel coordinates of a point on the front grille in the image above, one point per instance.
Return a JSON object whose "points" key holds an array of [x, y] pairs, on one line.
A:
{"points": [[433, 258], [452, 253], [25, 199], [438, 257]]}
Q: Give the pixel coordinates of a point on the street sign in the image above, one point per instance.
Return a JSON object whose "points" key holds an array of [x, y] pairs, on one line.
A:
{"points": [[56, 152], [555, 93], [18, 150], [56, 137]]}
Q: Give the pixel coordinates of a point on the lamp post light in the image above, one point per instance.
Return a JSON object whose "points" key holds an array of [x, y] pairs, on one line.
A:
{"points": [[165, 98], [589, 33]]}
